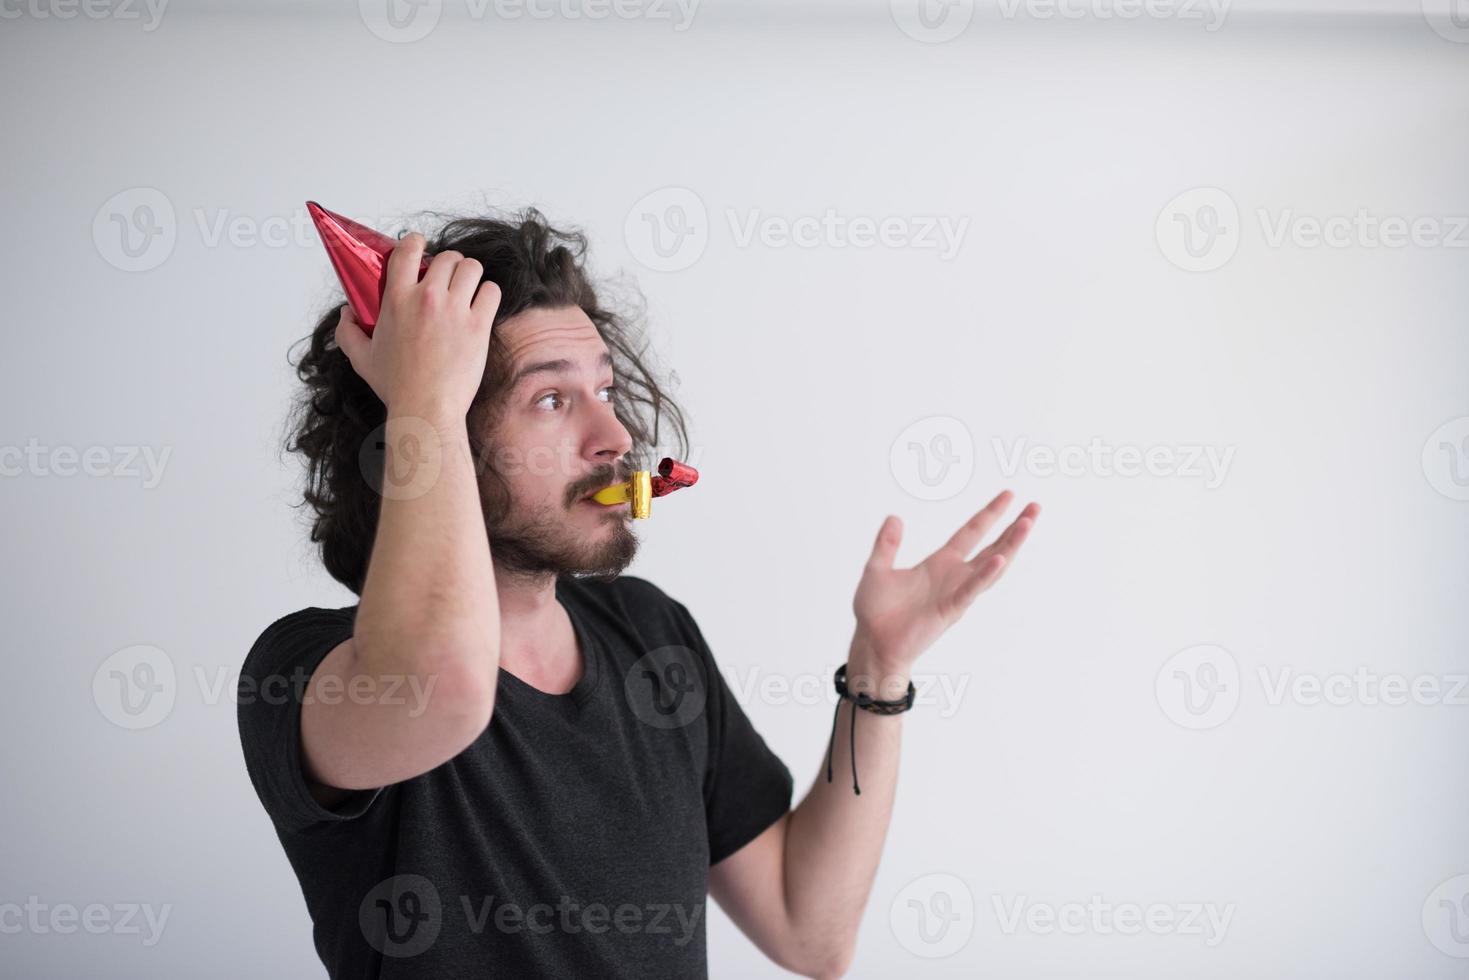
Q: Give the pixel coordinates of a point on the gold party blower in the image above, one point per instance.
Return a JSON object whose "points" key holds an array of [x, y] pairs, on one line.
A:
{"points": [[644, 486]]}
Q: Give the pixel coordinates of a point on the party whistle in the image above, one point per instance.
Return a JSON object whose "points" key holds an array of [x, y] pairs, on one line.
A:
{"points": [[360, 256], [644, 486]]}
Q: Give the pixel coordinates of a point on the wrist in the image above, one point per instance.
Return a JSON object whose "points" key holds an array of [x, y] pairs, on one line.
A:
{"points": [[443, 417], [868, 673], [423, 443]]}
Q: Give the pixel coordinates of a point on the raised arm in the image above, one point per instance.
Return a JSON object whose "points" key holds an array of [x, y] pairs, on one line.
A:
{"points": [[428, 621]]}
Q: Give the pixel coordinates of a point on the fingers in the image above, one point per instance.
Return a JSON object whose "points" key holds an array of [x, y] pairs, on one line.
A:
{"points": [[465, 281], [989, 565], [350, 336], [486, 302], [885, 548], [449, 271], [440, 269], [985, 568], [1009, 542], [985, 574], [972, 531], [403, 263]]}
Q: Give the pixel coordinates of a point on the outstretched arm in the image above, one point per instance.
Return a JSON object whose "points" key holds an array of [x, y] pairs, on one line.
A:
{"points": [[799, 889]]}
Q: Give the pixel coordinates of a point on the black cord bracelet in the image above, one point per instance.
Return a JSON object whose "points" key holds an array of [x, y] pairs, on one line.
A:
{"points": [[867, 703]]}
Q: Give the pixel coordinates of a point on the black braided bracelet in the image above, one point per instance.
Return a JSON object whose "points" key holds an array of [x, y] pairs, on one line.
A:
{"points": [[867, 703]]}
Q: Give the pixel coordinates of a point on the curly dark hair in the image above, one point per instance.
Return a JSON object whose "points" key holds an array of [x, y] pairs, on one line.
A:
{"points": [[335, 422]]}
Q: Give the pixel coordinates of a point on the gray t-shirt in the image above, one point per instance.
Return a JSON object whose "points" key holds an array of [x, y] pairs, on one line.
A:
{"points": [[572, 839]]}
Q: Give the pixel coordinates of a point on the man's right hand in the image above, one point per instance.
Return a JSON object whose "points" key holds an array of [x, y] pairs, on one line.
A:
{"points": [[428, 350]]}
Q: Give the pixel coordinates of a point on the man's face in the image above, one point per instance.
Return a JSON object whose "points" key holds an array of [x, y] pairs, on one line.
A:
{"points": [[555, 440]]}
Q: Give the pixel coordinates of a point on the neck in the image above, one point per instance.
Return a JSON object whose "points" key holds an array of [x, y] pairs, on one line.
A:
{"points": [[533, 630]]}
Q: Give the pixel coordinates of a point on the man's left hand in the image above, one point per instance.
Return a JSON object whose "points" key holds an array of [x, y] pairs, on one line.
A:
{"points": [[902, 611]]}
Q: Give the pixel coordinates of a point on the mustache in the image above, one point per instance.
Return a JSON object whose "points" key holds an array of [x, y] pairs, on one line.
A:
{"points": [[597, 479]]}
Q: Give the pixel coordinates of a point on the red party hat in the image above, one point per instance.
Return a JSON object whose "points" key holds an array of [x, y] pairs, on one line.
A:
{"points": [[360, 256]]}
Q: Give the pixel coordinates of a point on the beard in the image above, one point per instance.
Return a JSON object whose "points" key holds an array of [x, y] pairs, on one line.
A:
{"points": [[543, 544]]}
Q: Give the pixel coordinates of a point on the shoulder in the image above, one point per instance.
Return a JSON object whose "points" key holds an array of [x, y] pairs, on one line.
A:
{"points": [[296, 634]]}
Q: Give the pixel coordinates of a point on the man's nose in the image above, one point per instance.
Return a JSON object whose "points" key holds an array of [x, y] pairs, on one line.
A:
{"points": [[609, 440]]}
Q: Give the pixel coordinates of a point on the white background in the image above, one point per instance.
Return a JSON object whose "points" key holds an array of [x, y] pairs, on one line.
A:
{"points": [[1333, 542]]}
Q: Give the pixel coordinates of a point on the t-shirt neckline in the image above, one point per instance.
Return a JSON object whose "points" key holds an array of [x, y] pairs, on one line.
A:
{"points": [[591, 675]]}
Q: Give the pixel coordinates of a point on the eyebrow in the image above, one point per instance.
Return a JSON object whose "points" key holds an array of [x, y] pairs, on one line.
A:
{"points": [[560, 365]]}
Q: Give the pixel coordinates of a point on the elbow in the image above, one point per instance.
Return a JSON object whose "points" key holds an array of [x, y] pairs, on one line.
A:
{"points": [[833, 969], [835, 966], [827, 964], [446, 694], [462, 691]]}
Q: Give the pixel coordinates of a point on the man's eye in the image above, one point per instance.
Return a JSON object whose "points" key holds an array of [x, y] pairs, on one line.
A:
{"points": [[550, 395]]}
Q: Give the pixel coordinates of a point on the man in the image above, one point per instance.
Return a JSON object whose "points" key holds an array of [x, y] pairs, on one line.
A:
{"points": [[509, 760]]}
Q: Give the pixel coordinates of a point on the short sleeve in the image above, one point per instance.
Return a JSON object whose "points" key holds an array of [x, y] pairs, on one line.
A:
{"points": [[746, 785], [273, 682]]}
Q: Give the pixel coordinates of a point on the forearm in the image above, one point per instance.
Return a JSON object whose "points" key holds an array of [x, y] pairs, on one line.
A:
{"points": [[835, 837], [833, 840], [430, 587]]}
